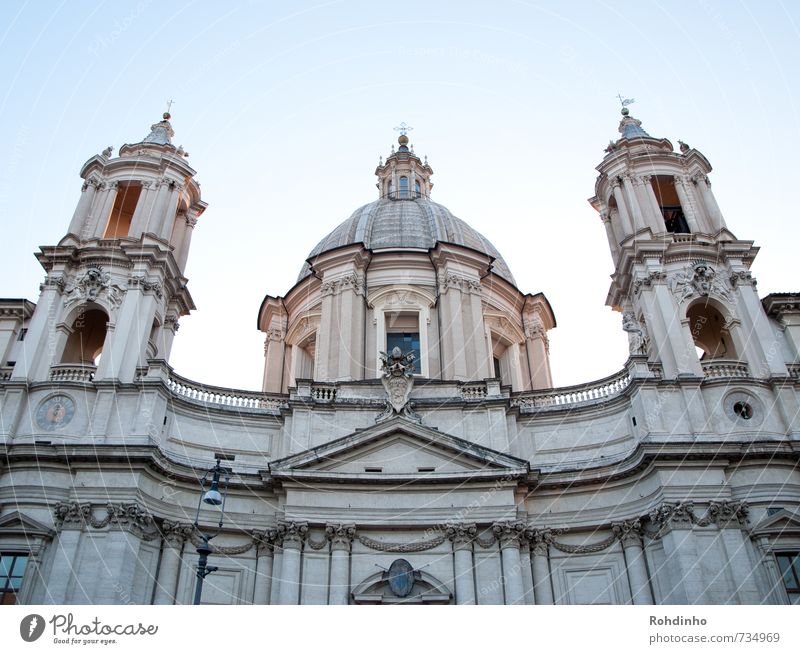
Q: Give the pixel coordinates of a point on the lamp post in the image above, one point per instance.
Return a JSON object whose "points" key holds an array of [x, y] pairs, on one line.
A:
{"points": [[211, 497]]}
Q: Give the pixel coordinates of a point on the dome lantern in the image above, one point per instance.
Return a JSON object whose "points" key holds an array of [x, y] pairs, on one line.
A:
{"points": [[403, 176]]}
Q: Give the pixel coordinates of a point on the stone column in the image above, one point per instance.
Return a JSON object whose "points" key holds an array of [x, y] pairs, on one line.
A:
{"points": [[265, 542], [104, 204], [630, 533], [84, 208], [277, 570], [715, 219], [612, 238], [525, 563], [626, 227], [341, 536], [143, 213], [542, 590], [462, 537], [653, 209], [174, 535], [686, 204], [635, 211], [293, 535], [274, 348], [509, 533], [186, 239], [538, 348], [775, 592]]}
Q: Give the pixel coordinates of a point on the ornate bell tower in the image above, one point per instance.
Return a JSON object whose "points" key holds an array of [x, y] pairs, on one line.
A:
{"points": [[115, 287], [681, 278]]}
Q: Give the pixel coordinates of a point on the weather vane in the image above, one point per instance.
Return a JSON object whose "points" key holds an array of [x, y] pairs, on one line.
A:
{"points": [[625, 101], [403, 128]]}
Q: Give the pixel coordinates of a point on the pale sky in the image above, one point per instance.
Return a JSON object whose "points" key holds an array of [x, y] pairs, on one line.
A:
{"points": [[285, 107]]}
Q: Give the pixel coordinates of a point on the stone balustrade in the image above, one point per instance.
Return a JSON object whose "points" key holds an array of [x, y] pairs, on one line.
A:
{"points": [[724, 369], [475, 391], [72, 372], [573, 396], [225, 397]]}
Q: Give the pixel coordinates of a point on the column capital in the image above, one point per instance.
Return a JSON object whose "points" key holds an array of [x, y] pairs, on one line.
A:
{"points": [[292, 534], [175, 533], [629, 532], [340, 536], [540, 540], [462, 535], [265, 541], [509, 533]]}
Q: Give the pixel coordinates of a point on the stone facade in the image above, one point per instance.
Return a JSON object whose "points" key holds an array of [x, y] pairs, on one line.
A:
{"points": [[356, 478]]}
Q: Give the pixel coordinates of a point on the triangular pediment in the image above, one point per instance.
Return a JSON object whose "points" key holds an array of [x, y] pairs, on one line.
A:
{"points": [[399, 449], [18, 524], [782, 523]]}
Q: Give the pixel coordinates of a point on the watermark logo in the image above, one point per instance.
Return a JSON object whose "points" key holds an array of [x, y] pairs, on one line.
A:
{"points": [[31, 627]]}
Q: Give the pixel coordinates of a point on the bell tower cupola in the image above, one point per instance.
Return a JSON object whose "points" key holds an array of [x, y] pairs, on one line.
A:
{"points": [[115, 285], [681, 279], [403, 176]]}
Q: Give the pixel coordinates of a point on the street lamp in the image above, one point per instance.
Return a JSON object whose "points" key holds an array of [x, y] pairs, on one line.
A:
{"points": [[211, 497]]}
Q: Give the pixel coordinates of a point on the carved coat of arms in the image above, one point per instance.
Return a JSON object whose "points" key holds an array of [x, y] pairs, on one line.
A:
{"points": [[398, 379]]}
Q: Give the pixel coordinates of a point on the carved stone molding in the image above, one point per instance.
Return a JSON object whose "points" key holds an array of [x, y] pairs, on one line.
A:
{"points": [[292, 534], [53, 281], [509, 533], [725, 514], [742, 277], [175, 533], [460, 283], [264, 541], [629, 532], [413, 546], [672, 515], [540, 540], [340, 536], [130, 516], [147, 285], [171, 323], [91, 285], [275, 335], [340, 284], [648, 280], [462, 535]]}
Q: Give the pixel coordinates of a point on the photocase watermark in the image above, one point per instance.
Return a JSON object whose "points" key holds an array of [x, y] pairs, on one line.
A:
{"points": [[67, 631]]}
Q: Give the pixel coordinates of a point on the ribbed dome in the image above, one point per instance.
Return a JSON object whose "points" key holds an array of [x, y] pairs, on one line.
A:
{"points": [[417, 223]]}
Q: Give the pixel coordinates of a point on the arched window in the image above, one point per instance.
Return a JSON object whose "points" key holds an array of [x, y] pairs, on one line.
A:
{"points": [[85, 342], [404, 187], [119, 222], [709, 332], [417, 189]]}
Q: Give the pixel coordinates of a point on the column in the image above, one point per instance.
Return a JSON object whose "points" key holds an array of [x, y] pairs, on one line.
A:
{"points": [[462, 537], [264, 559], [169, 215], [652, 208], [509, 534], [277, 569], [186, 240], [630, 534], [104, 204], [538, 349], [143, 214], [341, 536], [637, 219], [293, 535], [542, 590], [622, 209], [716, 221], [155, 219], [274, 346], [84, 207], [167, 582], [525, 563], [613, 245], [686, 204]]}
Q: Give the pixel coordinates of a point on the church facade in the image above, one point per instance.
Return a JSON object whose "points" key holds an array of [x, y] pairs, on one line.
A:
{"points": [[408, 445]]}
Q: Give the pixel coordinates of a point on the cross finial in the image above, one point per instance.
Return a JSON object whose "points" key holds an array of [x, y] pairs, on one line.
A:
{"points": [[169, 105], [403, 128]]}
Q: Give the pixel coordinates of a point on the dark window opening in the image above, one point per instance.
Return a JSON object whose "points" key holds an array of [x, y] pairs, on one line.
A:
{"points": [[407, 342], [789, 564], [670, 205], [772, 510], [743, 410], [119, 222], [22, 333], [426, 469], [12, 569], [85, 343], [404, 187], [368, 469], [497, 373]]}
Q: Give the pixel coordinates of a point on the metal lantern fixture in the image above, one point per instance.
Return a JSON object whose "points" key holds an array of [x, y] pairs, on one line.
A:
{"points": [[211, 497]]}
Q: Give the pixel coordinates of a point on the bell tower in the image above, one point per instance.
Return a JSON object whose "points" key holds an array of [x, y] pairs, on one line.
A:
{"points": [[115, 284], [681, 278]]}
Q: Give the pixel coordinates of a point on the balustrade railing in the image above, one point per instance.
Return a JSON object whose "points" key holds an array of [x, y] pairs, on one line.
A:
{"points": [[475, 391], [573, 396], [228, 397], [720, 368], [72, 372], [321, 393]]}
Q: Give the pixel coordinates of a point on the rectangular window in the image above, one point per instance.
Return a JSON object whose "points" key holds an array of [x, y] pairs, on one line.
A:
{"points": [[407, 342], [789, 563], [22, 334], [12, 569]]}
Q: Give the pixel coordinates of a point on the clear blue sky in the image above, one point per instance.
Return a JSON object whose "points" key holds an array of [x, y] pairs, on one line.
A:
{"points": [[286, 106]]}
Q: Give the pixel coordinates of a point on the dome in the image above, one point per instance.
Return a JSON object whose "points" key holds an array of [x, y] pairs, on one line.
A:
{"points": [[417, 223]]}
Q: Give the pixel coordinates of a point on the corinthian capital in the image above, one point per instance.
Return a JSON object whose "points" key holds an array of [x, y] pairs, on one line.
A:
{"points": [[340, 536], [509, 533], [462, 534], [629, 532], [292, 533], [540, 540]]}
